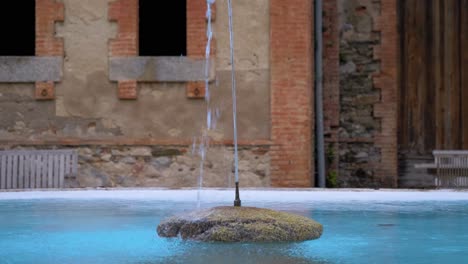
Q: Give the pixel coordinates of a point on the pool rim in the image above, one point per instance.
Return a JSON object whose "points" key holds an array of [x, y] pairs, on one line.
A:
{"points": [[247, 194]]}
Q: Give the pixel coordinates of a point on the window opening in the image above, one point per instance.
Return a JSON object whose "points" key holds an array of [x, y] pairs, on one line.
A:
{"points": [[18, 28], [162, 28]]}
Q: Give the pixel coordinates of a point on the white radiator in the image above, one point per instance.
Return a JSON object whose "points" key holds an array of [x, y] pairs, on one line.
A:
{"points": [[31, 169], [452, 168]]}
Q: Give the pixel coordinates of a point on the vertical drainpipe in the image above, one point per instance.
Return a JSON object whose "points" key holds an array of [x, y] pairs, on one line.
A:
{"points": [[319, 93]]}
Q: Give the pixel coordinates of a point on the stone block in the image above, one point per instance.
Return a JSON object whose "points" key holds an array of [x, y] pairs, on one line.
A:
{"points": [[30, 69], [159, 69]]}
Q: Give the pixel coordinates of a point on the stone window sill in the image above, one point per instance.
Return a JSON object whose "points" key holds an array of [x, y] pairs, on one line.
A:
{"points": [[159, 69], [30, 69]]}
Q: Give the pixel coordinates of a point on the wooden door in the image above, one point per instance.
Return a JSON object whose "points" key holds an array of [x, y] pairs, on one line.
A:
{"points": [[433, 110]]}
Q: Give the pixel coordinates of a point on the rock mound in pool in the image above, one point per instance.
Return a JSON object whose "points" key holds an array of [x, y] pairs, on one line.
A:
{"points": [[240, 224]]}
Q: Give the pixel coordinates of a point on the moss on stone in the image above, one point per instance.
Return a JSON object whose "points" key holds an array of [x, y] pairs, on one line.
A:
{"points": [[247, 224]]}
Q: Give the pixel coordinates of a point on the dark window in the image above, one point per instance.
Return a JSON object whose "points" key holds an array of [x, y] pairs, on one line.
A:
{"points": [[18, 28], [163, 28]]}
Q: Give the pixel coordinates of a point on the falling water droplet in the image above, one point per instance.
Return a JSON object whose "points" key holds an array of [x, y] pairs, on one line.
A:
{"points": [[207, 90], [204, 141], [208, 119], [194, 145]]}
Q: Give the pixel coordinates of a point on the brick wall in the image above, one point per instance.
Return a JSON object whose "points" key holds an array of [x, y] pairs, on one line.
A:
{"points": [[291, 93], [387, 81], [47, 13], [331, 84], [125, 13], [331, 78], [196, 40], [368, 100]]}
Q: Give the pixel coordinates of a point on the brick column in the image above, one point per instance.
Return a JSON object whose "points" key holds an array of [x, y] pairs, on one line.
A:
{"points": [[196, 40], [387, 82], [125, 13], [291, 74], [331, 82], [47, 13]]}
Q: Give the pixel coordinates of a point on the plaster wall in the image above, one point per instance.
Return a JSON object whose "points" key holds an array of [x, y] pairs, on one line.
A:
{"points": [[86, 104], [86, 108], [162, 110]]}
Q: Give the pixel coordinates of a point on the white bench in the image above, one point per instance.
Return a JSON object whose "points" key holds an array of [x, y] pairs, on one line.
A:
{"points": [[30, 169], [451, 168]]}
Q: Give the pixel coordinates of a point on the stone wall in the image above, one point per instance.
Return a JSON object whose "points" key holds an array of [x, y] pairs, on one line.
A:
{"points": [[274, 70], [170, 166], [357, 93], [367, 133], [354, 166]]}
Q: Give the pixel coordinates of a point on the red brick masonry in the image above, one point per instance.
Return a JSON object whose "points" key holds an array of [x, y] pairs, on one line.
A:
{"points": [[196, 40], [125, 13], [291, 74], [47, 13], [387, 82]]}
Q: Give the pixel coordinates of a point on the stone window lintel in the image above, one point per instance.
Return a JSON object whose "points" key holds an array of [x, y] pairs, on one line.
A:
{"points": [[30, 69], [159, 69]]}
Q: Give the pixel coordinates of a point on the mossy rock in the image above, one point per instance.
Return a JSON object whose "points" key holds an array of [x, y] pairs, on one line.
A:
{"points": [[240, 224]]}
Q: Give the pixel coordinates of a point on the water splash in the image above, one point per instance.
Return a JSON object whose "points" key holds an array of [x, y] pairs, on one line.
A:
{"points": [[210, 120], [194, 145], [213, 114]]}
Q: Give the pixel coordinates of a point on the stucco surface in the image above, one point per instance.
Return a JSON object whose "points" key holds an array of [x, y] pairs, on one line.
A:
{"points": [[251, 22], [162, 110], [86, 106]]}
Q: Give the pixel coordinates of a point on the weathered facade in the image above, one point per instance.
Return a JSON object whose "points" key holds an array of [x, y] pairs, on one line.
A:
{"points": [[133, 119], [139, 132], [361, 81]]}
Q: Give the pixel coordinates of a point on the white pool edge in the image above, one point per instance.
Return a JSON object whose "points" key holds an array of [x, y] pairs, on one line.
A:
{"points": [[257, 195]]}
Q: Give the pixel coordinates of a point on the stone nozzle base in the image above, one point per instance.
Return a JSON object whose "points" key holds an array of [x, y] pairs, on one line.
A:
{"points": [[237, 201], [240, 224]]}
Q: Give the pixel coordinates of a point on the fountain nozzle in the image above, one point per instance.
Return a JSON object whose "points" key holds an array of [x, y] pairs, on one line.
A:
{"points": [[237, 201]]}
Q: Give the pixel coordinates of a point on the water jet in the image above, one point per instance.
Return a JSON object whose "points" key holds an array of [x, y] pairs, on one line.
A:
{"points": [[226, 223], [235, 224]]}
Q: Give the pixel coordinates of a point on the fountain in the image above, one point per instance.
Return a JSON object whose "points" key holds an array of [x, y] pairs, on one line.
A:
{"points": [[234, 224]]}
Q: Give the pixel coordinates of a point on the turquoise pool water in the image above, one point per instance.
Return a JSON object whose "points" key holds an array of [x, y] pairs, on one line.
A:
{"points": [[92, 230]]}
